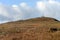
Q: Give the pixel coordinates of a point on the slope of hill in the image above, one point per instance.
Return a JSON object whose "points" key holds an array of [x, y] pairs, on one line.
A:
{"points": [[43, 28]]}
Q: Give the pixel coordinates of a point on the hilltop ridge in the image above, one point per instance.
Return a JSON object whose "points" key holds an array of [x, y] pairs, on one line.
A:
{"points": [[44, 19], [40, 19], [43, 28]]}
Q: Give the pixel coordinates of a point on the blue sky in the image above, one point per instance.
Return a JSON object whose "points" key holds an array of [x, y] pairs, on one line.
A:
{"points": [[13, 10], [10, 2], [17, 2]]}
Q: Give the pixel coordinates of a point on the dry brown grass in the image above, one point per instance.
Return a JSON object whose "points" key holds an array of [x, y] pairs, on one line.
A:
{"points": [[32, 29]]}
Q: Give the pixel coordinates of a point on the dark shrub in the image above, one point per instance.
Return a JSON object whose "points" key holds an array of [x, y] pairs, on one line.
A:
{"points": [[53, 29]]}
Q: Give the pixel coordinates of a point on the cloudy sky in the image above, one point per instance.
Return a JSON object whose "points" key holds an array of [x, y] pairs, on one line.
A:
{"points": [[11, 10]]}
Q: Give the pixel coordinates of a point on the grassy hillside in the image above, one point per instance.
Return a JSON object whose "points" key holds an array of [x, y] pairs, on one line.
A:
{"points": [[32, 29]]}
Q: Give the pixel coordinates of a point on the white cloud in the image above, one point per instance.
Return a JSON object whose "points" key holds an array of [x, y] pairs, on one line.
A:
{"points": [[16, 8], [3, 10], [48, 8], [23, 4], [41, 5], [51, 8]]}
